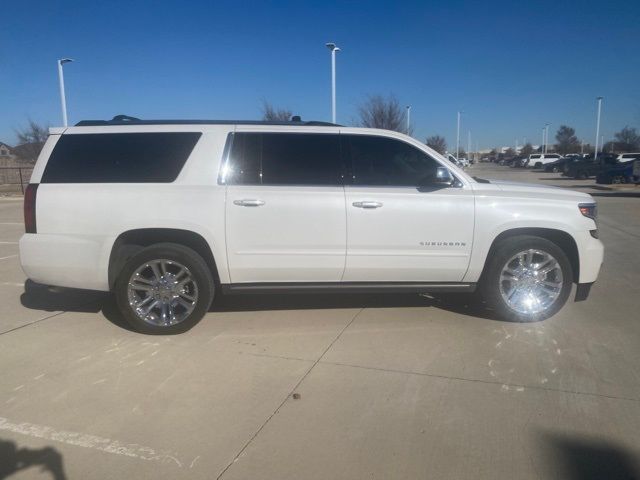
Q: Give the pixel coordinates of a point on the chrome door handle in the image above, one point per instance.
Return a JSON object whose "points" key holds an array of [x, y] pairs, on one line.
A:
{"points": [[367, 204], [248, 202]]}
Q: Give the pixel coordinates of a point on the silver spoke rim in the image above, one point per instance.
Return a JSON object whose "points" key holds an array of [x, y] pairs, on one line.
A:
{"points": [[531, 281], [162, 292]]}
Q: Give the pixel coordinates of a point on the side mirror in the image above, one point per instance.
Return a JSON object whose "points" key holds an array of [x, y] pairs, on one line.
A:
{"points": [[442, 178]]}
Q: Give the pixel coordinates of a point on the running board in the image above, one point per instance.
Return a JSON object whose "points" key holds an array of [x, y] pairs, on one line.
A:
{"points": [[347, 287]]}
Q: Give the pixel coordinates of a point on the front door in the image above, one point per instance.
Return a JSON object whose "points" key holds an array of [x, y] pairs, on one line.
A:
{"points": [[285, 210], [396, 231]]}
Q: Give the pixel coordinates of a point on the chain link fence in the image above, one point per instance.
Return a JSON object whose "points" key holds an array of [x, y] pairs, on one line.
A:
{"points": [[14, 179]]}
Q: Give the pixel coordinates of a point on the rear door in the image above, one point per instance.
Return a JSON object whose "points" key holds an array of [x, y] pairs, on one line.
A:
{"points": [[285, 208]]}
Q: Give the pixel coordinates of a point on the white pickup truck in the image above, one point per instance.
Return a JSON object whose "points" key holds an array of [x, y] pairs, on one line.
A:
{"points": [[170, 214]]}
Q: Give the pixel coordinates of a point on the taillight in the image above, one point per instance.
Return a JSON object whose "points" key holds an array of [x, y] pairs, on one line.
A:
{"points": [[30, 208]]}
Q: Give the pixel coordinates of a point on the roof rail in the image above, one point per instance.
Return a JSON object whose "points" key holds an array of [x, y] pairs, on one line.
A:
{"points": [[127, 120]]}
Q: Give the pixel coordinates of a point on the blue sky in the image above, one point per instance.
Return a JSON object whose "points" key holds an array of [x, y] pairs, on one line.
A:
{"points": [[510, 66]]}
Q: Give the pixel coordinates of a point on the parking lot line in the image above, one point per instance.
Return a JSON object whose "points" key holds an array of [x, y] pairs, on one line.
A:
{"points": [[90, 441], [7, 257]]}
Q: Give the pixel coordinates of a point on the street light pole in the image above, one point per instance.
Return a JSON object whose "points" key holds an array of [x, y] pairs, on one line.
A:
{"points": [[63, 100], [334, 49], [544, 129], [468, 144], [546, 137], [458, 137], [595, 157], [408, 118]]}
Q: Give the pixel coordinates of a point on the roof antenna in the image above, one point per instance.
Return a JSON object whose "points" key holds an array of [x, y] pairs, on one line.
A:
{"points": [[296, 118]]}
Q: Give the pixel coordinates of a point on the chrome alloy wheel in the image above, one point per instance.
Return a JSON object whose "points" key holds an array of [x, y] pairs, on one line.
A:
{"points": [[162, 292], [531, 281]]}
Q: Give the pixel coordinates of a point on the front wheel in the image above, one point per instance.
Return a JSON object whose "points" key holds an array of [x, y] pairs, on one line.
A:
{"points": [[527, 279], [164, 289]]}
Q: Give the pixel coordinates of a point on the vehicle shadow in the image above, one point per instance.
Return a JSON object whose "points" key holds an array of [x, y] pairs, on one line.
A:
{"points": [[14, 459], [588, 458], [461, 303], [52, 299]]}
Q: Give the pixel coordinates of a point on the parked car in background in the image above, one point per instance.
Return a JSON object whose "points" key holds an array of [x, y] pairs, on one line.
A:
{"points": [[537, 160], [620, 173], [519, 162], [506, 161], [559, 165], [464, 162], [589, 166], [453, 160], [628, 157]]}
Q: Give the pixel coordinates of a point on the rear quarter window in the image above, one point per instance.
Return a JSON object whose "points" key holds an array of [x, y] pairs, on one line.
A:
{"points": [[156, 157]]}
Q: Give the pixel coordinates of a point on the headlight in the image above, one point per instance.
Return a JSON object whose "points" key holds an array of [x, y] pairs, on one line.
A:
{"points": [[589, 210]]}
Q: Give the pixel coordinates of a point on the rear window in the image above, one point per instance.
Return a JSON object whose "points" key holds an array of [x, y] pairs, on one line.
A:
{"points": [[535, 156], [285, 159], [119, 157]]}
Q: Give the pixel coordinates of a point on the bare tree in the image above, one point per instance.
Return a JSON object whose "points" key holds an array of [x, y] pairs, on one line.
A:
{"points": [[273, 114], [438, 143], [567, 142], [527, 150], [627, 140], [383, 112], [30, 141]]}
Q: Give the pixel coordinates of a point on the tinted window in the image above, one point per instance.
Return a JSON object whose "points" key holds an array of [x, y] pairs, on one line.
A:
{"points": [[535, 156], [119, 157], [285, 159], [245, 160], [386, 161]]}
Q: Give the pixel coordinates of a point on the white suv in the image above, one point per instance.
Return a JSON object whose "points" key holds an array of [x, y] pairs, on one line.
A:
{"points": [[537, 160], [169, 214]]}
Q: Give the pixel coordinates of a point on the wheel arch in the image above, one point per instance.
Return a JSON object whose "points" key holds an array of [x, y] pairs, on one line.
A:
{"points": [[562, 239], [130, 242]]}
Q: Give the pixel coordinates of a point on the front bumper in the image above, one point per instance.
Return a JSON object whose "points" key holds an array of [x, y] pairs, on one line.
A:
{"points": [[591, 254]]}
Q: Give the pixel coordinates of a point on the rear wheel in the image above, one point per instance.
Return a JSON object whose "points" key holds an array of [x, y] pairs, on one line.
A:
{"points": [[554, 169], [537, 165], [528, 279], [164, 289]]}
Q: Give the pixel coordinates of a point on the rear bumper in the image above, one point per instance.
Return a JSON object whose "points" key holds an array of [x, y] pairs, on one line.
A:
{"points": [[65, 261]]}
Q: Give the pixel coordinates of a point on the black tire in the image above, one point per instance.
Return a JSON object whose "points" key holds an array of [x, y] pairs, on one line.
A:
{"points": [[537, 165], [505, 250], [554, 169], [200, 274]]}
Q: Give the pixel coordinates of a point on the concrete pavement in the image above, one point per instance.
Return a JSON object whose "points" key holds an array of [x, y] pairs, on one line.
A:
{"points": [[341, 387]]}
